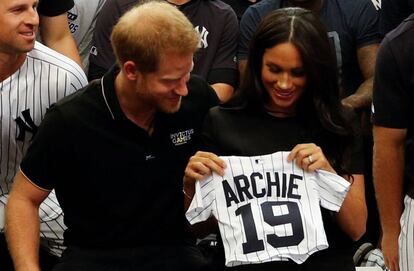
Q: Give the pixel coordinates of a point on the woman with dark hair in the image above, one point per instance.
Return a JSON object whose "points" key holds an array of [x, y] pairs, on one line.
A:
{"points": [[289, 101]]}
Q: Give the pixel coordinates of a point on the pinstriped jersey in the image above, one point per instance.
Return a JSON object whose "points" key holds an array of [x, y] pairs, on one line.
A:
{"points": [[44, 78], [268, 209]]}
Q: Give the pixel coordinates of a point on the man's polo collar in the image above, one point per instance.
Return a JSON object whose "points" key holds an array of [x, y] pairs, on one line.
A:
{"points": [[410, 18], [109, 94]]}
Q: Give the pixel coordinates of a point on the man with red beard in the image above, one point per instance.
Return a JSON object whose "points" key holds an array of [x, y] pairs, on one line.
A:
{"points": [[115, 153], [215, 60]]}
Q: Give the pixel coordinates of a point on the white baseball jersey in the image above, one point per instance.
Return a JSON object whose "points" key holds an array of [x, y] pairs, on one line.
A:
{"points": [[44, 78], [82, 19], [406, 238], [268, 209]]}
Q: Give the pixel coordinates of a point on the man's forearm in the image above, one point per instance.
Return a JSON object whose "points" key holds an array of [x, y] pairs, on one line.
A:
{"points": [[362, 97], [388, 179], [352, 216], [67, 46], [22, 233], [242, 68], [223, 91], [56, 35], [22, 223]]}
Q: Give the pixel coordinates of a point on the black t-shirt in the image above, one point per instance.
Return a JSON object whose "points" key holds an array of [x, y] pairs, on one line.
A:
{"points": [[118, 187], [54, 7], [393, 97], [215, 60], [229, 131], [261, 134]]}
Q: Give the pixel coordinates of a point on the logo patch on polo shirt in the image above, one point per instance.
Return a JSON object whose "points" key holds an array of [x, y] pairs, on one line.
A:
{"points": [[181, 138], [149, 157]]}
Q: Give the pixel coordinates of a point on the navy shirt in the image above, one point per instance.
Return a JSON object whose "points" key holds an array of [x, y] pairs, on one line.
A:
{"points": [[218, 26], [215, 60], [351, 24]]}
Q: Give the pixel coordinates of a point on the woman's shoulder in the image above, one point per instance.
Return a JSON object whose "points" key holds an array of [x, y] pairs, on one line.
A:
{"points": [[226, 113], [224, 109]]}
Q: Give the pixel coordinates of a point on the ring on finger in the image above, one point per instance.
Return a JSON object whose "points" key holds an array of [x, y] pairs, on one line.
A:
{"points": [[310, 158]]}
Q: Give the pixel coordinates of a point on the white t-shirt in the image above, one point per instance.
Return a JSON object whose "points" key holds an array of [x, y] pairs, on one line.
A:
{"points": [[268, 209]]}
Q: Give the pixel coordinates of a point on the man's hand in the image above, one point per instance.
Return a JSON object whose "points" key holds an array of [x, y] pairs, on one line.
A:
{"points": [[357, 101], [200, 165], [389, 246], [22, 223]]}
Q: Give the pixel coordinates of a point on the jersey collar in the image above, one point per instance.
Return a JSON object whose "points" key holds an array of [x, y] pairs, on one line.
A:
{"points": [[109, 95]]}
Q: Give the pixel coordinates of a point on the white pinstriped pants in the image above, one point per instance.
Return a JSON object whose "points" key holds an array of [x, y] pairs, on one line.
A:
{"points": [[406, 239]]}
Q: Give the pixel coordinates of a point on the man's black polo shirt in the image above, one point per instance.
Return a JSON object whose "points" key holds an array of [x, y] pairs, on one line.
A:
{"points": [[118, 186]]}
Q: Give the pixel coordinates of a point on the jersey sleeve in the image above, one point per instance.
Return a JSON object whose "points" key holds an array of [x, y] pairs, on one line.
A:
{"points": [[364, 22], [69, 75], [42, 162], [77, 79], [224, 68], [332, 189], [101, 56], [390, 99], [202, 204], [248, 25], [54, 7]]}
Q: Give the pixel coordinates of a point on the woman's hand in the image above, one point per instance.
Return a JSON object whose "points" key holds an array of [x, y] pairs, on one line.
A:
{"points": [[310, 157]]}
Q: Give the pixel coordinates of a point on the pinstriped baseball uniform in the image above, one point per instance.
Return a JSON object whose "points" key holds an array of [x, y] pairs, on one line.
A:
{"points": [[45, 77], [268, 209], [406, 238]]}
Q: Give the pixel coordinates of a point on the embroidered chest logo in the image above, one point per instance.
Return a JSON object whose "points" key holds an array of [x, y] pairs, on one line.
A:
{"points": [[181, 138], [203, 36], [26, 125]]}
